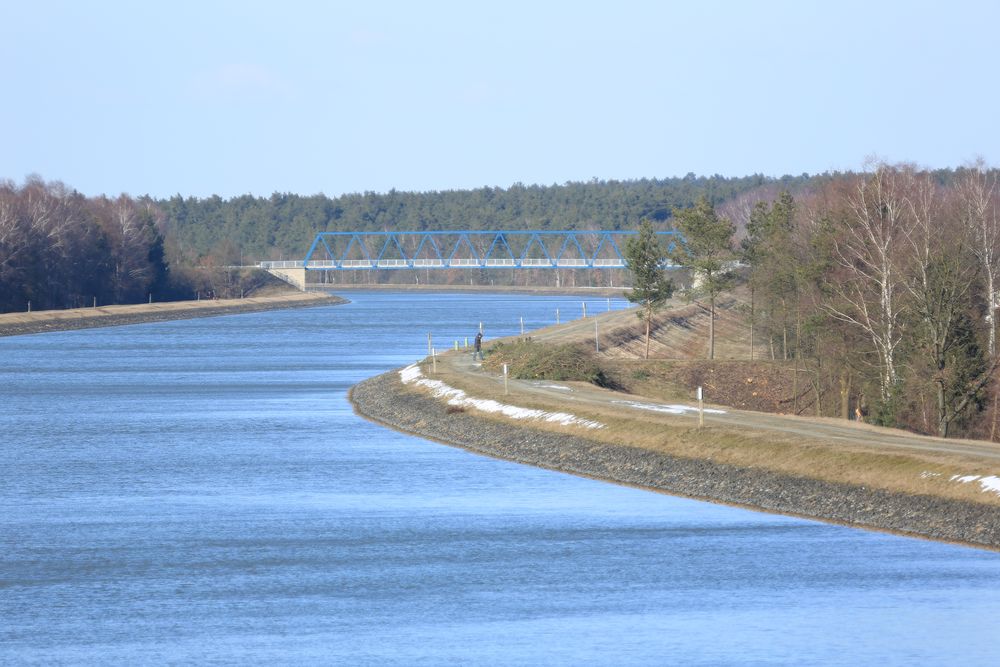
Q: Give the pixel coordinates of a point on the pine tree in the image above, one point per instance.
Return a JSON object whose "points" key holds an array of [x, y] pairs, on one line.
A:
{"points": [[707, 251], [645, 257]]}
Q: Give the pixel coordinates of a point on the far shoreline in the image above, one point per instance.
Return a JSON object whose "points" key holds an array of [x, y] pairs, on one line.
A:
{"points": [[19, 324], [568, 290]]}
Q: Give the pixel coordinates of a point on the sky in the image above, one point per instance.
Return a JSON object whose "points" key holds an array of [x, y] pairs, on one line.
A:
{"points": [[229, 98]]}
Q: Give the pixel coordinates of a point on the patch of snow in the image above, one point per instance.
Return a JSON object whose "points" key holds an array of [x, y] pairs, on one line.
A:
{"points": [[990, 483], [669, 409], [927, 474], [413, 375], [553, 386], [964, 479]]}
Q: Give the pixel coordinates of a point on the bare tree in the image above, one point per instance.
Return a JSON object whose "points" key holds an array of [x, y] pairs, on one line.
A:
{"points": [[128, 233], [15, 241], [132, 267], [940, 281], [740, 208], [865, 250], [977, 188]]}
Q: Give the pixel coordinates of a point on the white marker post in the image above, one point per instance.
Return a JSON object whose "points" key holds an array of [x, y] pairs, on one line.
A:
{"points": [[505, 379], [701, 409], [609, 304], [522, 325], [434, 360], [584, 310], [429, 347], [557, 316]]}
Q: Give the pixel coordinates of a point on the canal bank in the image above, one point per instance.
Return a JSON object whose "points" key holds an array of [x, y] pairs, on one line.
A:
{"points": [[386, 400], [16, 324]]}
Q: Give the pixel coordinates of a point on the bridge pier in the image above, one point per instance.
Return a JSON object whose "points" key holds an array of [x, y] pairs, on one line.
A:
{"points": [[296, 277]]}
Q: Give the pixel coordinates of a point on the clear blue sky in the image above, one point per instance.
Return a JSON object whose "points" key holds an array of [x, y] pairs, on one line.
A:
{"points": [[227, 98]]}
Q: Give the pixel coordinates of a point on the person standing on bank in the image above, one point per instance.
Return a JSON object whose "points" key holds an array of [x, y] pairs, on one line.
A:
{"points": [[477, 347]]}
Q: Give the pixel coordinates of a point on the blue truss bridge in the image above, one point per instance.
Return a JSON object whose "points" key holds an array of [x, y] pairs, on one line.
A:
{"points": [[576, 249]]}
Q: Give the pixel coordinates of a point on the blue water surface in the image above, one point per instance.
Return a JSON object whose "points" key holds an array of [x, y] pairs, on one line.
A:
{"points": [[200, 491]]}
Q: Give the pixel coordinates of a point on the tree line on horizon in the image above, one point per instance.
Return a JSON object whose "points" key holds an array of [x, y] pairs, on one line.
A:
{"points": [[60, 249], [283, 225]]}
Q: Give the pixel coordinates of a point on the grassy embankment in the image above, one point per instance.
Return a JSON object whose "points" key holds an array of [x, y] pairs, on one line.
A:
{"points": [[827, 449]]}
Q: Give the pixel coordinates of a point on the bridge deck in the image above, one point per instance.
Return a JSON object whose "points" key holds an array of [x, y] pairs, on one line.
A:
{"points": [[330, 265]]}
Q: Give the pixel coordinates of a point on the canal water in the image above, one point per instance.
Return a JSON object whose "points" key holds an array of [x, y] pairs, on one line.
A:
{"points": [[200, 492]]}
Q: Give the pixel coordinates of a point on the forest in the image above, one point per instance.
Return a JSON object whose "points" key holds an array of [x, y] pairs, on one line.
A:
{"points": [[284, 225], [59, 249], [880, 290]]}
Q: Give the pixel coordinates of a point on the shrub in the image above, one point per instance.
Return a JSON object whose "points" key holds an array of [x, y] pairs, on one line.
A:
{"points": [[528, 360]]}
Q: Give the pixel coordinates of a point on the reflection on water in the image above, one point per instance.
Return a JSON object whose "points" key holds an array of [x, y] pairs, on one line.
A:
{"points": [[200, 491]]}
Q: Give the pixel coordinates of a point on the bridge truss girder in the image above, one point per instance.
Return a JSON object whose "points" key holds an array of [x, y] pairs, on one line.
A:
{"points": [[469, 249]]}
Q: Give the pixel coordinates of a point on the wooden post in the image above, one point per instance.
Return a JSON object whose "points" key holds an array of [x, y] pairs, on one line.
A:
{"points": [[597, 337], [505, 392], [701, 408]]}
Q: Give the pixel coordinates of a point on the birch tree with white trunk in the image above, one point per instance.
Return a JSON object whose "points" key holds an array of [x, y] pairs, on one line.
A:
{"points": [[977, 188], [866, 249]]}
